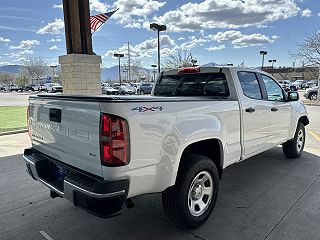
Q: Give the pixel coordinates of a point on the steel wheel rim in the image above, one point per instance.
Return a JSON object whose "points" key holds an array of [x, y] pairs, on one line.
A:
{"points": [[313, 97], [200, 193], [300, 140]]}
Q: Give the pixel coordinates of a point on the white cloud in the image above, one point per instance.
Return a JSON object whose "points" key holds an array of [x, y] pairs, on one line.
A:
{"points": [[306, 13], [26, 44], [146, 48], [216, 48], [6, 40], [211, 14], [20, 54], [180, 38], [140, 8], [95, 5], [55, 27], [58, 6], [55, 40], [53, 47], [4, 63], [251, 40], [226, 36], [193, 42], [240, 40]]}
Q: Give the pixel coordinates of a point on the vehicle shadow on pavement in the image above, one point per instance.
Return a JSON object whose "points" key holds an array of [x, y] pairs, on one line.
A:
{"points": [[265, 196]]}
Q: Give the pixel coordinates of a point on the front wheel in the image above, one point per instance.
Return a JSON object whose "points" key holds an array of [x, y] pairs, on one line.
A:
{"points": [[294, 147], [192, 199]]}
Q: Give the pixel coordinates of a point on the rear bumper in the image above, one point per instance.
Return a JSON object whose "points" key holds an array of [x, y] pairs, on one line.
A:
{"points": [[99, 197]]}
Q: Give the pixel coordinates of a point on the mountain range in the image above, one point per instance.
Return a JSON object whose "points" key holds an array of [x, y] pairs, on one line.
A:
{"points": [[106, 73]]}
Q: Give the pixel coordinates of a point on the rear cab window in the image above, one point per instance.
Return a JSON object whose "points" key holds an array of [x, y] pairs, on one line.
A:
{"points": [[250, 85], [198, 84]]}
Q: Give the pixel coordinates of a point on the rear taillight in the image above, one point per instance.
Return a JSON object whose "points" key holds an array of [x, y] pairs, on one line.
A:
{"points": [[28, 120], [114, 141]]}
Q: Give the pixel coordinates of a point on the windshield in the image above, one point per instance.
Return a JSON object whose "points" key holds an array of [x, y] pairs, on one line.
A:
{"points": [[205, 84]]}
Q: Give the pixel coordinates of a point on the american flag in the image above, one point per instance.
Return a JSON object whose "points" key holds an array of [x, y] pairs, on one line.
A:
{"points": [[97, 20]]}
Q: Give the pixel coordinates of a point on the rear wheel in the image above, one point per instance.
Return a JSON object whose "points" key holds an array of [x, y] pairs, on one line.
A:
{"points": [[192, 199], [294, 147]]}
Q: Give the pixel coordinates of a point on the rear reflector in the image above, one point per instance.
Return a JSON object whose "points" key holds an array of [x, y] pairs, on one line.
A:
{"points": [[189, 70], [114, 141]]}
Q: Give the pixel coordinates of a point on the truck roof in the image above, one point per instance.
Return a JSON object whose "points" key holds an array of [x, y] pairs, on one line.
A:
{"points": [[217, 69]]}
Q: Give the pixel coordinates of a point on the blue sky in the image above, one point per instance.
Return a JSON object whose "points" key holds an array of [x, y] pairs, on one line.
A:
{"points": [[221, 31]]}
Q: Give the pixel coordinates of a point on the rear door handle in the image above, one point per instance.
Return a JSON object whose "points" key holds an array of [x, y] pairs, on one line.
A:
{"points": [[250, 110], [274, 109]]}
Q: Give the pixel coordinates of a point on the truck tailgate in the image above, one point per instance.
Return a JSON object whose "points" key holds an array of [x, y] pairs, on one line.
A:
{"points": [[67, 131]]}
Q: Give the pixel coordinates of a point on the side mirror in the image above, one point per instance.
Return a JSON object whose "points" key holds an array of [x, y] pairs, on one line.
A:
{"points": [[293, 96]]}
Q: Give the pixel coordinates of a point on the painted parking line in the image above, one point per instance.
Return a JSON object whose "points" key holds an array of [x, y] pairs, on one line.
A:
{"points": [[313, 134], [45, 235]]}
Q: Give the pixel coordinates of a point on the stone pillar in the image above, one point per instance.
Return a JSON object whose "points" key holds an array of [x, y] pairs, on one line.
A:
{"points": [[81, 74]]}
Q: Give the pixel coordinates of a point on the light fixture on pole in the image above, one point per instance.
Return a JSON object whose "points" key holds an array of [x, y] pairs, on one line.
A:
{"points": [[263, 53], [154, 72], [272, 61], [119, 56], [158, 28]]}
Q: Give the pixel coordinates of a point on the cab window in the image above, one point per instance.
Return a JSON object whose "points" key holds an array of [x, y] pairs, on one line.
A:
{"points": [[274, 91], [250, 85]]}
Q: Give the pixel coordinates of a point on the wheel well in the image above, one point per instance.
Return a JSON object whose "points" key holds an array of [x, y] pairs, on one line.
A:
{"points": [[211, 148], [304, 120]]}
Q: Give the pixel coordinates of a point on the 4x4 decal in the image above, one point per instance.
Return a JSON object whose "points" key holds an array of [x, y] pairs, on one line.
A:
{"points": [[148, 109]]}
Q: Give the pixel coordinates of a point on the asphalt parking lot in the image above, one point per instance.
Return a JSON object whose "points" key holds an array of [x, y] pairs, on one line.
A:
{"points": [[265, 197]]}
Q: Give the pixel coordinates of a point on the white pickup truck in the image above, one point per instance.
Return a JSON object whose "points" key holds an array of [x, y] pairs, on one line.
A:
{"points": [[101, 151]]}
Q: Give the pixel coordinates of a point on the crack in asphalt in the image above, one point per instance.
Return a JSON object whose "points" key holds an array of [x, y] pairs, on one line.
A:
{"points": [[167, 221], [294, 204]]}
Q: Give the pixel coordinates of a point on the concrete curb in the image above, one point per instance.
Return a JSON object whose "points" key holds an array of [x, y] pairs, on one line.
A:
{"points": [[309, 103], [14, 132]]}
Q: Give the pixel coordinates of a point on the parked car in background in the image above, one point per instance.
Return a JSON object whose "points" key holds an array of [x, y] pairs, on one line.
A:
{"points": [[285, 84], [109, 91], [29, 87], [312, 83], [311, 93], [300, 84], [123, 90], [145, 88], [2, 88], [39, 87], [53, 87], [12, 87]]}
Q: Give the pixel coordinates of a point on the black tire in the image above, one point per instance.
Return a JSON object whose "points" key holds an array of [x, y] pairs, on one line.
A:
{"points": [[175, 200], [294, 148]]}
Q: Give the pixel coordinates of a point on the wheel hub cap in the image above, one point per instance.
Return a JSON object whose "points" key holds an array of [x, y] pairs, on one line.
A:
{"points": [[300, 140], [197, 192], [200, 193]]}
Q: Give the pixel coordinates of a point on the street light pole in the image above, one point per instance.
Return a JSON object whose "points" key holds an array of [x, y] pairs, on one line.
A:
{"points": [[154, 72], [159, 28], [272, 61], [119, 56], [53, 68], [263, 53]]}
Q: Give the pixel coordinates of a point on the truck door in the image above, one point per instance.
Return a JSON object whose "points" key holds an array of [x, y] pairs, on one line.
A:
{"points": [[279, 111], [255, 114]]}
